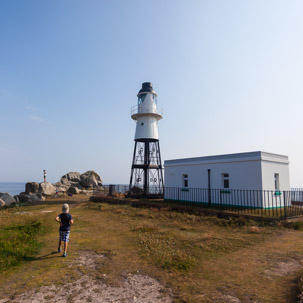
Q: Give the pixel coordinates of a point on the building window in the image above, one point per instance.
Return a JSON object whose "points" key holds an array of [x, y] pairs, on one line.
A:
{"points": [[225, 180], [277, 182], [185, 180]]}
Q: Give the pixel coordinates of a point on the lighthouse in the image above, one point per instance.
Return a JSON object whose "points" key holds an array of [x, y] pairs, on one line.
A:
{"points": [[146, 171]]}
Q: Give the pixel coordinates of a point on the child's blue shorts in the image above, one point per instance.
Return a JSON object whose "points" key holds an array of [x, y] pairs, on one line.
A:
{"points": [[64, 235]]}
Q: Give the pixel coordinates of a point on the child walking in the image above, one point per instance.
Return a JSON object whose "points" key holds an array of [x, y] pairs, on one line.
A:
{"points": [[65, 219]]}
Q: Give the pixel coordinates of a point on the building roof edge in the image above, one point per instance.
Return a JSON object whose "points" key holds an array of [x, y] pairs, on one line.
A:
{"points": [[256, 155]]}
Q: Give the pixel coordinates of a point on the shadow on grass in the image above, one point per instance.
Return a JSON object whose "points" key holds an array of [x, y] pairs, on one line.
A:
{"points": [[52, 255]]}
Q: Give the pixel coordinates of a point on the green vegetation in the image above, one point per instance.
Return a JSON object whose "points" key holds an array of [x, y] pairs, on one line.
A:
{"points": [[18, 243], [201, 258], [297, 225], [166, 251]]}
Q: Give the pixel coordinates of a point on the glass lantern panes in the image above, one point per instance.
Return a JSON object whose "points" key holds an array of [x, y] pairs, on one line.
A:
{"points": [[141, 98], [155, 99]]}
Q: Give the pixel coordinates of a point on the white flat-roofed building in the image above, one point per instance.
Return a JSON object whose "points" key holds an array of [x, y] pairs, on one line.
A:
{"points": [[251, 171]]}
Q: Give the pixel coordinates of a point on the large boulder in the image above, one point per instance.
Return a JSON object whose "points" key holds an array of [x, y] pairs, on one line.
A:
{"points": [[7, 198], [61, 189], [38, 196], [47, 189], [90, 179], [23, 198], [2, 203], [30, 198], [70, 177], [73, 190], [31, 187]]}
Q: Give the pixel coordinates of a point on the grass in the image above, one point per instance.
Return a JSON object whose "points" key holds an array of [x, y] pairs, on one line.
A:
{"points": [[201, 258], [18, 243], [185, 239], [165, 251]]}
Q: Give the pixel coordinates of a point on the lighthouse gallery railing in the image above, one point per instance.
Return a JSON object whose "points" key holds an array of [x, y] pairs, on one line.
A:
{"points": [[136, 109]]}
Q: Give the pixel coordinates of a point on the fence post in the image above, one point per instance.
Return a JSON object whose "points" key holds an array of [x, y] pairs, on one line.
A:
{"points": [[209, 193], [285, 215], [111, 190]]}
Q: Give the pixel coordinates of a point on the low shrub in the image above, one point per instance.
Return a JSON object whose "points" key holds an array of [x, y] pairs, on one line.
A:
{"points": [[298, 225], [293, 225]]}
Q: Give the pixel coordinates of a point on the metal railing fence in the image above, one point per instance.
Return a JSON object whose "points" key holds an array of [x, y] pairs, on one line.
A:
{"points": [[261, 203], [297, 195]]}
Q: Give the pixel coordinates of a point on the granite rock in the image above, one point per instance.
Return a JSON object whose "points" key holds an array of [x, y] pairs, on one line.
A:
{"points": [[7, 198], [90, 179], [2, 203], [47, 189], [31, 187]]}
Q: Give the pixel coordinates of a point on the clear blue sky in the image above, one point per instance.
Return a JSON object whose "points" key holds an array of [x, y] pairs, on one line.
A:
{"points": [[228, 75]]}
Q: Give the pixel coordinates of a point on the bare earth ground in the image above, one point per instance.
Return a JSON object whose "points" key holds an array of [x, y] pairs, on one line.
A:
{"points": [[134, 288], [117, 254]]}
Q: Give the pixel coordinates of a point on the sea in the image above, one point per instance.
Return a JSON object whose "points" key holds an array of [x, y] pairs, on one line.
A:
{"points": [[13, 188]]}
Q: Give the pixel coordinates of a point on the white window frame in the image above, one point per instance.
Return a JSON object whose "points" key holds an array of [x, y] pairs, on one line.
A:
{"points": [[225, 177], [185, 180], [277, 181]]}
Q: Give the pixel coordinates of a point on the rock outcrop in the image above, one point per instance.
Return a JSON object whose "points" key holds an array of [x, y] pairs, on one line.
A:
{"points": [[31, 187], [47, 189], [7, 198], [70, 177], [73, 190], [2, 203], [90, 179], [71, 183], [60, 188], [30, 198]]}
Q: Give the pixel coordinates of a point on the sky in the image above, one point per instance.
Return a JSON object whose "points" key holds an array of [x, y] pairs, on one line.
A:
{"points": [[228, 75]]}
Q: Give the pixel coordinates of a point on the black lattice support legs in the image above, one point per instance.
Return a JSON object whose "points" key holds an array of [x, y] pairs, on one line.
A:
{"points": [[146, 174]]}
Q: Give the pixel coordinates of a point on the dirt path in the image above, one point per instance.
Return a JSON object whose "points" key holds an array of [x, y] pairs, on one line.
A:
{"points": [[133, 288]]}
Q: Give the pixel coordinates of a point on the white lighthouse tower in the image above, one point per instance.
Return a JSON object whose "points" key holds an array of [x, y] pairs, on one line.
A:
{"points": [[146, 172]]}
